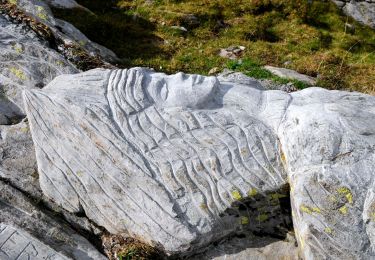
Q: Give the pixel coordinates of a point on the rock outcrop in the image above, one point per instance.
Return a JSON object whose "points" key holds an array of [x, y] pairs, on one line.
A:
{"points": [[361, 10], [35, 48], [181, 161], [170, 162], [25, 62], [27, 232]]}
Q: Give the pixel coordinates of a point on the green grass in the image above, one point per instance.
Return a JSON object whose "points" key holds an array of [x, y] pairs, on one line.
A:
{"points": [[255, 70], [310, 38]]}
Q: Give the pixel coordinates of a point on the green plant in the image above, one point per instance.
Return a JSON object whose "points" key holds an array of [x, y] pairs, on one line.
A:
{"points": [[304, 33]]}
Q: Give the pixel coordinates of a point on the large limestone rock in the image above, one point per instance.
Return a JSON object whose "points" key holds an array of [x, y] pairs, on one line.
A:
{"points": [[181, 161], [328, 138]]}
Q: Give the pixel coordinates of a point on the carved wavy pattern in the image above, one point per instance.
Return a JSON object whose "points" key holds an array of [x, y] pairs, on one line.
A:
{"points": [[166, 174]]}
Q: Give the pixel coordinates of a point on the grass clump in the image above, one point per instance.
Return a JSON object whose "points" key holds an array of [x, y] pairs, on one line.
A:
{"points": [[254, 69], [311, 37]]}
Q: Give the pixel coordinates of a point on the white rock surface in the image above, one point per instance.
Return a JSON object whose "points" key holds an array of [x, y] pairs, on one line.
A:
{"points": [[18, 244], [183, 160], [251, 248], [175, 169], [25, 62], [27, 232], [291, 74], [328, 138]]}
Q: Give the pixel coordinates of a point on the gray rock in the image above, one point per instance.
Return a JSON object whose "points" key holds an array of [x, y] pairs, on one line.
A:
{"points": [[9, 112], [172, 182], [25, 62], [17, 159], [27, 232], [68, 33], [291, 74], [361, 10], [263, 84], [328, 138], [17, 244], [232, 52], [179, 28], [18, 168], [260, 248], [239, 78], [71, 33], [181, 161]]}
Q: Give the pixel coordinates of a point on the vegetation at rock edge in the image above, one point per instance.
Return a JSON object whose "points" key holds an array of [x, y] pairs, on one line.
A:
{"points": [[311, 37]]}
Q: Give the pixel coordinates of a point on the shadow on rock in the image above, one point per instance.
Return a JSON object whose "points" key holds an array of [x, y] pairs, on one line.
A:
{"points": [[131, 37]]}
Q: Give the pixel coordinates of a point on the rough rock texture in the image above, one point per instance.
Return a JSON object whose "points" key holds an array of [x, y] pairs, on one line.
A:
{"points": [[18, 168], [25, 62], [183, 160], [17, 159], [361, 10], [40, 10], [183, 170], [27, 232], [328, 139], [28, 227], [291, 74], [28, 60], [253, 247], [262, 84]]}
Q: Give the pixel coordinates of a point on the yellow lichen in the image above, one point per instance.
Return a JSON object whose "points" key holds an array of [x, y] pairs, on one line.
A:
{"points": [[328, 230], [18, 73], [276, 196], [25, 129], [347, 193], [372, 216], [252, 192], [244, 220], [316, 209], [13, 2], [82, 43], [41, 13], [60, 63], [262, 217], [203, 206], [236, 195], [343, 210], [332, 198], [18, 48], [244, 151], [283, 157], [305, 209], [310, 210], [79, 173]]}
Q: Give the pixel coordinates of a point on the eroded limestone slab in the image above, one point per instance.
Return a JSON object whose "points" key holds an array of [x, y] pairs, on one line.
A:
{"points": [[328, 139], [170, 159], [181, 161]]}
